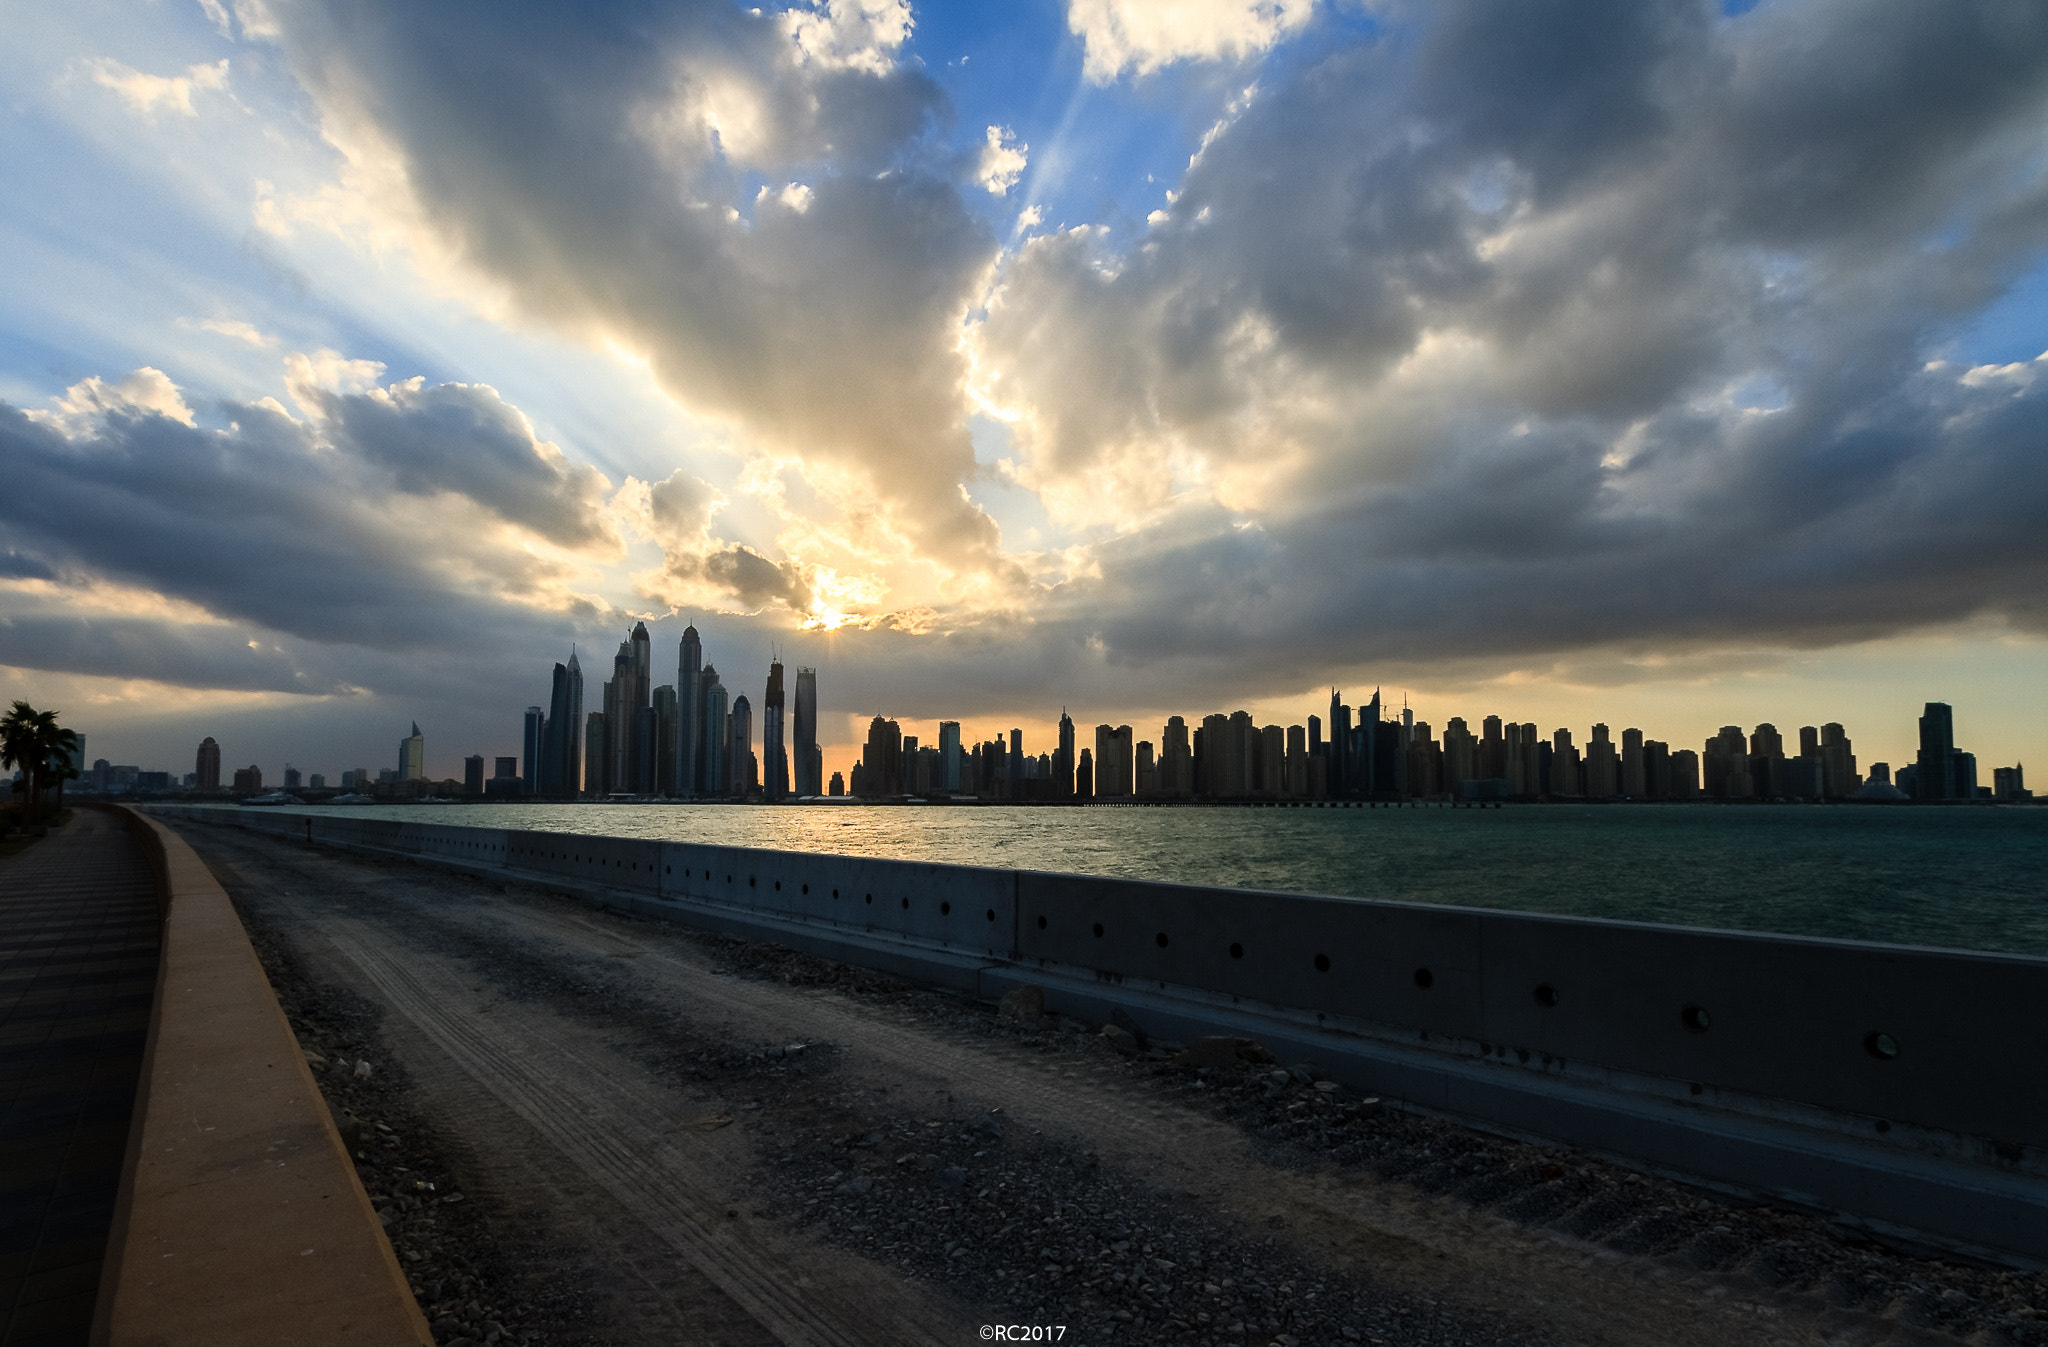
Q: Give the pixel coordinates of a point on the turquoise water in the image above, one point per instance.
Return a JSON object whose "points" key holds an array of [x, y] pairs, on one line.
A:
{"points": [[1963, 878]]}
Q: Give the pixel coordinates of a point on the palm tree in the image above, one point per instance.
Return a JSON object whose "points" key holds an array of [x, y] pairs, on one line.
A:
{"points": [[21, 745], [63, 761], [29, 739]]}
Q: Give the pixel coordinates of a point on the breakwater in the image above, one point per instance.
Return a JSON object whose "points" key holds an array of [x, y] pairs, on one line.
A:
{"points": [[1882, 1083]]}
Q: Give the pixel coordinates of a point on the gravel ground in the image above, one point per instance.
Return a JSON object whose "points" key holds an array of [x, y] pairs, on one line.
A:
{"points": [[474, 1285], [1031, 1226], [1300, 1122]]}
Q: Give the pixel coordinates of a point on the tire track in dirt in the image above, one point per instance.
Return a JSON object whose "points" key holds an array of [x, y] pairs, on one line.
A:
{"points": [[619, 1128]]}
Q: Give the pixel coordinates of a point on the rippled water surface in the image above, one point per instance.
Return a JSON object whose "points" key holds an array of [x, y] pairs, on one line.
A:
{"points": [[1967, 878]]}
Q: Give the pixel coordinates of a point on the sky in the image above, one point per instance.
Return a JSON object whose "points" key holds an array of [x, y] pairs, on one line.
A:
{"points": [[1639, 362]]}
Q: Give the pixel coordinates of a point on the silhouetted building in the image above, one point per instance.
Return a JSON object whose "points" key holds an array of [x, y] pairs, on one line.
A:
{"points": [[807, 762], [473, 774], [248, 780], [743, 776], [1084, 777], [595, 782], [774, 760], [1941, 771], [532, 744], [412, 756], [563, 733], [838, 786], [208, 766], [713, 777], [689, 713]]}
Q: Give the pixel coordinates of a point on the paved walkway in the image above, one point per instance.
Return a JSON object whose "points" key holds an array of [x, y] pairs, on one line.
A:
{"points": [[78, 960]]}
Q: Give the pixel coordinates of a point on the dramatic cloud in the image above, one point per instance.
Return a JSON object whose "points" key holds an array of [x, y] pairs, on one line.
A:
{"points": [[1143, 35], [1534, 333], [593, 163]]}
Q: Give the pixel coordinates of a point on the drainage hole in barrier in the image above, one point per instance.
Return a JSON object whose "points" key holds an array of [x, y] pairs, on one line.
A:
{"points": [[1881, 1046], [728, 879], [835, 893], [1237, 951], [1041, 923], [1883, 1126], [778, 886], [1098, 930], [1322, 963], [1698, 1088], [750, 881], [807, 890], [871, 898], [990, 914], [945, 909], [1424, 978], [1546, 995], [1160, 940], [1696, 1019], [906, 904]]}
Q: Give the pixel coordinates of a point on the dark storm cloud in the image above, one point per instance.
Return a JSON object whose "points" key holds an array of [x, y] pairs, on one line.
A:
{"points": [[20, 566], [263, 526], [179, 653], [466, 441], [591, 158], [1528, 328]]}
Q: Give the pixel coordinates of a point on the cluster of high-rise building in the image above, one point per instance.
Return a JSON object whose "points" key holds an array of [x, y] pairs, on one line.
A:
{"points": [[680, 740], [1369, 754]]}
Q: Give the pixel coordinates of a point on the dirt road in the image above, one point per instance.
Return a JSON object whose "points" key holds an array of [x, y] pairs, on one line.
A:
{"points": [[724, 1143]]}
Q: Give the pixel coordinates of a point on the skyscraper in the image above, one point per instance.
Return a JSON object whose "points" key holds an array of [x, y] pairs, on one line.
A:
{"points": [[774, 762], [618, 722], [1063, 757], [711, 778], [208, 765], [640, 697], [412, 756], [561, 766], [740, 745], [532, 744], [807, 763], [689, 713], [1936, 775], [950, 760], [594, 756], [665, 715]]}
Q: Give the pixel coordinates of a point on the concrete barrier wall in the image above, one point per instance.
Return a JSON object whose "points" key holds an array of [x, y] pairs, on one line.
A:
{"points": [[1878, 1058], [1774, 1016]]}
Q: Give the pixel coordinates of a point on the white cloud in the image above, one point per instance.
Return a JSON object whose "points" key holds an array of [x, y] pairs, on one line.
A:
{"points": [[850, 34], [1002, 161], [233, 328], [1143, 35], [147, 391], [146, 94]]}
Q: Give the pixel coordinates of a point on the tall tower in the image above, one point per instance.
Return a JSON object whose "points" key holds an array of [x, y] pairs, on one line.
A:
{"points": [[1935, 778], [689, 712], [643, 756], [572, 721], [711, 763], [809, 764], [1063, 758], [208, 765], [412, 756], [531, 744], [774, 761], [739, 735]]}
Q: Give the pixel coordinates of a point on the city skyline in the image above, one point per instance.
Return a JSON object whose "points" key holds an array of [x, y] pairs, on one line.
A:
{"points": [[1659, 365], [640, 745]]}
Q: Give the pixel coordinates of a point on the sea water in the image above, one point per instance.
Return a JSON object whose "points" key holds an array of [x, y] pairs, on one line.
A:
{"points": [[1969, 878]]}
